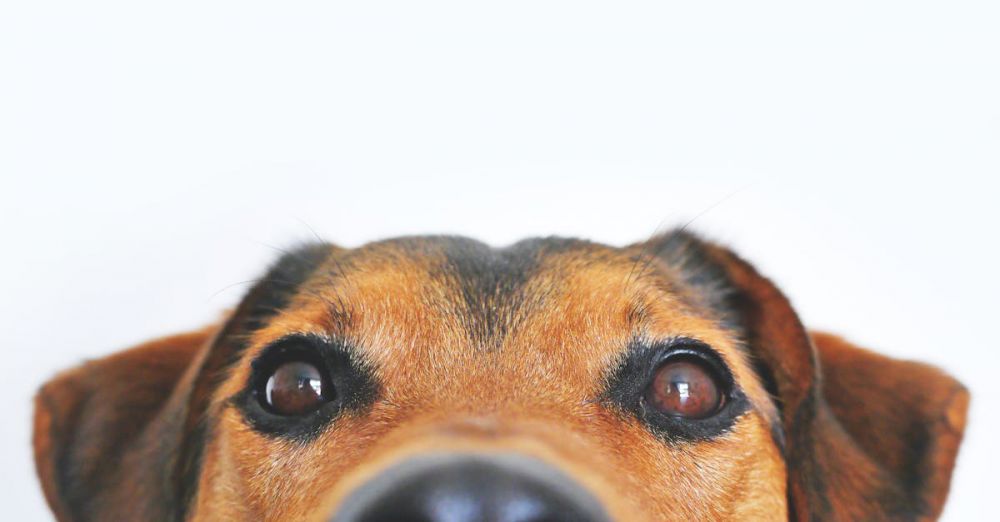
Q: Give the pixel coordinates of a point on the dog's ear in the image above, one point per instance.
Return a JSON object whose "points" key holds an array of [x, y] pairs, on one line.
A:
{"points": [[909, 417], [86, 418], [866, 437]]}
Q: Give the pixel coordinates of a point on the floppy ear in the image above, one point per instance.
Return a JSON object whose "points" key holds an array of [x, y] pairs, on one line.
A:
{"points": [[866, 437], [908, 416], [95, 455]]}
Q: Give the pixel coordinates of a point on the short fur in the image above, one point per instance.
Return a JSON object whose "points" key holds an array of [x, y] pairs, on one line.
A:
{"points": [[518, 349]]}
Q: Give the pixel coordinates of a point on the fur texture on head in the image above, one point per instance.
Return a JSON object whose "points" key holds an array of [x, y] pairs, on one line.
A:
{"points": [[545, 350]]}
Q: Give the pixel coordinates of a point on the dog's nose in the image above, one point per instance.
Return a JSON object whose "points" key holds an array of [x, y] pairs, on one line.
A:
{"points": [[471, 488]]}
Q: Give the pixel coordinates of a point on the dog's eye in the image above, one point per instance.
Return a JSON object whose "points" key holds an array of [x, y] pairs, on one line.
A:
{"points": [[296, 388], [300, 383], [687, 387]]}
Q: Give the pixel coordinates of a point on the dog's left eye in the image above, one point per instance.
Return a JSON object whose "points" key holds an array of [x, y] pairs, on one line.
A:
{"points": [[296, 388]]}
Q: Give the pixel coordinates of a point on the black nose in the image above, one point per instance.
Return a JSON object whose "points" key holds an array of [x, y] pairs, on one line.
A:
{"points": [[471, 488]]}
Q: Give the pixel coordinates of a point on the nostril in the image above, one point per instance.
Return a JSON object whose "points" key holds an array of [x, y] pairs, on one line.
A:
{"points": [[471, 488]]}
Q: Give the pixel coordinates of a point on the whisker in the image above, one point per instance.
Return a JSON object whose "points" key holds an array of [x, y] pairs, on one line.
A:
{"points": [[227, 287], [311, 229]]}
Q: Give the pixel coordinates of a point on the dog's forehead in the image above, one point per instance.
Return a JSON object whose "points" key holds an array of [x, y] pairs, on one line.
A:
{"points": [[549, 311]]}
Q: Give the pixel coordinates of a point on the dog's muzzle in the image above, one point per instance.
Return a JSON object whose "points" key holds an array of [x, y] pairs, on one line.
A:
{"points": [[471, 488]]}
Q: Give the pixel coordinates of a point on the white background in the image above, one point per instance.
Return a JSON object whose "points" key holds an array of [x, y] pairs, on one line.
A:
{"points": [[154, 156]]}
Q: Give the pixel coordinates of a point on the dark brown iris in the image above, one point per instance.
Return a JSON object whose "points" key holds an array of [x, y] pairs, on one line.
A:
{"points": [[685, 388], [295, 388]]}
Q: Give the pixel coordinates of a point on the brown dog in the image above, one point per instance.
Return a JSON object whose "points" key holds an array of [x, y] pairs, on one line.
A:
{"points": [[437, 379]]}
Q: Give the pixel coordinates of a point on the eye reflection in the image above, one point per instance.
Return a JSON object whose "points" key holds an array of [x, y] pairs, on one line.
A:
{"points": [[682, 390]]}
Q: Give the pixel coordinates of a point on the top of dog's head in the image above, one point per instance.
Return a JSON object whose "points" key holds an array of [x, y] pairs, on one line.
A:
{"points": [[439, 379]]}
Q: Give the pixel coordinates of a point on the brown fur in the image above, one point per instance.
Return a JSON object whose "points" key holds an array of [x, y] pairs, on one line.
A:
{"points": [[834, 432]]}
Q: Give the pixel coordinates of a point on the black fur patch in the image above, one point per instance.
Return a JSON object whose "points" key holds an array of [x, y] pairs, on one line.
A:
{"points": [[686, 253], [491, 281], [274, 291]]}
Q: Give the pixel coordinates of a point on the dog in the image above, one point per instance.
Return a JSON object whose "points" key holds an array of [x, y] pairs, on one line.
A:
{"points": [[439, 379]]}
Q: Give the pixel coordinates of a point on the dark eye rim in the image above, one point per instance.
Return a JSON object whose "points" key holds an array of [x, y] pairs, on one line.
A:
{"points": [[629, 382], [348, 384]]}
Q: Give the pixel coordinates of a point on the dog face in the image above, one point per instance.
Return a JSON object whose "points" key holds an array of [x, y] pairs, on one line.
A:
{"points": [[439, 379]]}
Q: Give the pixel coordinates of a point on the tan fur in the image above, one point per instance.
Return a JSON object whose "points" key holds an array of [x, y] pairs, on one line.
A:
{"points": [[533, 394]]}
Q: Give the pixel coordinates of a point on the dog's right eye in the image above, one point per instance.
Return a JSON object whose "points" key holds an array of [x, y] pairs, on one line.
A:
{"points": [[301, 383], [296, 388]]}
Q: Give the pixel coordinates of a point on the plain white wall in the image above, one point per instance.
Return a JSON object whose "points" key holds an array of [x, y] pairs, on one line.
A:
{"points": [[154, 156]]}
